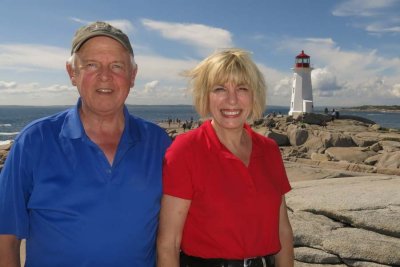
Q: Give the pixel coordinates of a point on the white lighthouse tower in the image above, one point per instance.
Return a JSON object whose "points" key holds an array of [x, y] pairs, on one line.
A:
{"points": [[302, 98]]}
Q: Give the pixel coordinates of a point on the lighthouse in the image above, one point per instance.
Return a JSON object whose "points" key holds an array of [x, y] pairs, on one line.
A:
{"points": [[302, 98]]}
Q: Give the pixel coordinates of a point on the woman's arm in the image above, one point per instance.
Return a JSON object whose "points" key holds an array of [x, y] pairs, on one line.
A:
{"points": [[9, 251], [172, 219], [285, 257]]}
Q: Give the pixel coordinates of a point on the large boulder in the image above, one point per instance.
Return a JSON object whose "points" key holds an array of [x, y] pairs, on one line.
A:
{"points": [[316, 118], [349, 154], [389, 160], [314, 144], [390, 146], [336, 139], [280, 138], [365, 138], [297, 135]]}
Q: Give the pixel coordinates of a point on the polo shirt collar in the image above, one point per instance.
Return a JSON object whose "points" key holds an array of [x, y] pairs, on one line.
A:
{"points": [[73, 128], [215, 145]]}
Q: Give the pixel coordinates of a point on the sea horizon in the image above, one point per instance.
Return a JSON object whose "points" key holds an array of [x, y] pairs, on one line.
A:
{"points": [[13, 118]]}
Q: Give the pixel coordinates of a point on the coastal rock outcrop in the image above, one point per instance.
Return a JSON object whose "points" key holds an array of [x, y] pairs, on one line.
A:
{"points": [[342, 142], [346, 221]]}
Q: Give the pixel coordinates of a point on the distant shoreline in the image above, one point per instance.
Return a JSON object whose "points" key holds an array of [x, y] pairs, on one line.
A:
{"points": [[394, 108]]}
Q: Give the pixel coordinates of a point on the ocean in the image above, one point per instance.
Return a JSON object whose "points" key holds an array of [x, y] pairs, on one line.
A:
{"points": [[14, 118]]}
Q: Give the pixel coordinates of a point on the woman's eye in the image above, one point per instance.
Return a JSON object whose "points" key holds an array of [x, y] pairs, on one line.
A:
{"points": [[219, 89], [243, 88]]}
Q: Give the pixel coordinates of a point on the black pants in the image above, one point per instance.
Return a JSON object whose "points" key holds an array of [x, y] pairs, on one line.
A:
{"points": [[191, 261]]}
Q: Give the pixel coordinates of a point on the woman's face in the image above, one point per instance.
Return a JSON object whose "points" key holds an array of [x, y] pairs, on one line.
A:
{"points": [[230, 105]]}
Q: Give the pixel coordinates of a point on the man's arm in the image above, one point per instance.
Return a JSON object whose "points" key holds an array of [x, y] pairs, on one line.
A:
{"points": [[9, 251], [285, 257]]}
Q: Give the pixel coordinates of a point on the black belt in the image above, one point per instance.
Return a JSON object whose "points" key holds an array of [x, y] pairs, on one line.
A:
{"points": [[191, 261]]}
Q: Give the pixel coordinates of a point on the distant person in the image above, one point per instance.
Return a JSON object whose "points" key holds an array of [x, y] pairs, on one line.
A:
{"points": [[333, 114], [83, 186], [224, 184], [326, 111]]}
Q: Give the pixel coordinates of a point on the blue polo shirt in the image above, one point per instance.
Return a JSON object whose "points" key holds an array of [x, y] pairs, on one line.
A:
{"points": [[58, 191]]}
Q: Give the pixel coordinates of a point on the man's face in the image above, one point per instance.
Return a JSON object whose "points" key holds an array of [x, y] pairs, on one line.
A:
{"points": [[103, 75]]}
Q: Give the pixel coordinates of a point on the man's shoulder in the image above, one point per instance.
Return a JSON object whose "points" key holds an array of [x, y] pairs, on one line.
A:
{"points": [[43, 126], [145, 125]]}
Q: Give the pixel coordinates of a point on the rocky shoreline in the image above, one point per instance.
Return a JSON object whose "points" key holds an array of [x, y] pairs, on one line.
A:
{"points": [[345, 203]]}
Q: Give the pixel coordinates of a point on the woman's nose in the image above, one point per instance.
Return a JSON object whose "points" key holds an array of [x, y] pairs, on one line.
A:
{"points": [[232, 96]]}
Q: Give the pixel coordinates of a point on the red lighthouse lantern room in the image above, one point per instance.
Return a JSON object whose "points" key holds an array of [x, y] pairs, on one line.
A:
{"points": [[302, 60]]}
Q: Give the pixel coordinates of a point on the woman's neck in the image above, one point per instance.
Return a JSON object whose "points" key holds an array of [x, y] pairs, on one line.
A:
{"points": [[237, 141]]}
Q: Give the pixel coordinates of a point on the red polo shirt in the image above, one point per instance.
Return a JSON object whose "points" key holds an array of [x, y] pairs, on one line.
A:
{"points": [[234, 211]]}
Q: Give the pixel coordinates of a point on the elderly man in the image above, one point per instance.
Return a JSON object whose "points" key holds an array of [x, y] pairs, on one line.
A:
{"points": [[83, 186]]}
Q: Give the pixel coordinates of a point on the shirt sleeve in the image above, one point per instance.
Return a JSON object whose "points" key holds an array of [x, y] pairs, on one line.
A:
{"points": [[177, 171], [15, 185]]}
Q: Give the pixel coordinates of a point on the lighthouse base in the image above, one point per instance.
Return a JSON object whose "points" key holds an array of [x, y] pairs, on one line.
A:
{"points": [[307, 107], [295, 114]]}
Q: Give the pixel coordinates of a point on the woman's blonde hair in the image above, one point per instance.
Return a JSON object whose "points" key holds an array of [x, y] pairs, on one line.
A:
{"points": [[229, 65]]}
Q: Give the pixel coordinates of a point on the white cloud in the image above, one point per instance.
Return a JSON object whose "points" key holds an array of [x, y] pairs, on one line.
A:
{"points": [[7, 85], [282, 87], [377, 17], [37, 94], [324, 81], [205, 38], [396, 90], [34, 88], [362, 8], [30, 57], [150, 87], [153, 66], [380, 28]]}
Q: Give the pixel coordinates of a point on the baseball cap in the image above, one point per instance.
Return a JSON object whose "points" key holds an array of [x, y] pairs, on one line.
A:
{"points": [[99, 28]]}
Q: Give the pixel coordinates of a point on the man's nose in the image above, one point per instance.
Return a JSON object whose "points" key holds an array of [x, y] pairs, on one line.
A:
{"points": [[105, 74]]}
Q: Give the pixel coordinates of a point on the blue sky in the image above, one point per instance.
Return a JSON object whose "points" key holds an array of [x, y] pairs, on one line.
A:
{"points": [[353, 44]]}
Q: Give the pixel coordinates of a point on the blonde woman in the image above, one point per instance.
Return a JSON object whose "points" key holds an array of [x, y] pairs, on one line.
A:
{"points": [[224, 184]]}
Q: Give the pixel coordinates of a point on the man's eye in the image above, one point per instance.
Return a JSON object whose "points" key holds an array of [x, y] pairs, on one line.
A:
{"points": [[91, 66]]}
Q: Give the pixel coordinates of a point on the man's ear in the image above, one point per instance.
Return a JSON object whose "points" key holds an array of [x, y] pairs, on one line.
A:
{"points": [[71, 73], [133, 76]]}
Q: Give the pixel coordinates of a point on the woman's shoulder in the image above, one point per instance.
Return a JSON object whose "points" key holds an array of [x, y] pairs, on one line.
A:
{"points": [[187, 141], [263, 140]]}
